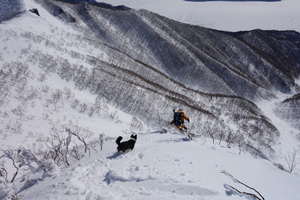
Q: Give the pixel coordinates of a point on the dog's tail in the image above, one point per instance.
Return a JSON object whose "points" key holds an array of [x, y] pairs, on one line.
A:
{"points": [[118, 140]]}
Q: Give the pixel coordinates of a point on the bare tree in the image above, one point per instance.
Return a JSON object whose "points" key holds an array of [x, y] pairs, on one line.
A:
{"points": [[10, 155], [291, 160], [211, 134], [82, 107], [79, 138], [19, 157], [221, 136], [56, 96], [75, 152], [3, 172], [230, 139], [241, 143], [55, 147]]}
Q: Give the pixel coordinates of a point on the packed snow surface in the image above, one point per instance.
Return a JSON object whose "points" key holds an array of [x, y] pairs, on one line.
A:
{"points": [[167, 166]]}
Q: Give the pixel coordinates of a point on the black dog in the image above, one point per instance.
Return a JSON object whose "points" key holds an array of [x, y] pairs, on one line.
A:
{"points": [[124, 146]]}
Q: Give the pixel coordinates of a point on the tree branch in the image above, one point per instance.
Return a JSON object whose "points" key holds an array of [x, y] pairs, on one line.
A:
{"points": [[79, 138], [236, 180]]}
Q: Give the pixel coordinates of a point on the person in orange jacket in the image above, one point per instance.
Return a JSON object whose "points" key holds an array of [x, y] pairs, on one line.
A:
{"points": [[178, 120]]}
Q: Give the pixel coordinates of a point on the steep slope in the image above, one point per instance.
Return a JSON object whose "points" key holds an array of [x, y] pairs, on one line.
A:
{"points": [[164, 166], [289, 110], [146, 65], [77, 65], [172, 64], [191, 55]]}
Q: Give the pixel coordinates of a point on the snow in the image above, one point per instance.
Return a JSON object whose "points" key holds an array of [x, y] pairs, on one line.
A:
{"points": [[161, 166], [289, 141], [166, 166], [109, 114]]}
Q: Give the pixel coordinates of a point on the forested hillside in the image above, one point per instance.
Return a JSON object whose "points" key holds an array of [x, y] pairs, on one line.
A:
{"points": [[147, 65]]}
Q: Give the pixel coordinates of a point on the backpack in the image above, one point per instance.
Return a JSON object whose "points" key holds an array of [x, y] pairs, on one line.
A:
{"points": [[177, 118]]}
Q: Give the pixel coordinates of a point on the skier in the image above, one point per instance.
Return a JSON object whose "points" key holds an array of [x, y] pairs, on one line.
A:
{"points": [[178, 120]]}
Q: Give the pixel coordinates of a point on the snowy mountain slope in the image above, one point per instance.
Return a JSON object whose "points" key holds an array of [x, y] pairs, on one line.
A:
{"points": [[33, 100], [288, 109], [224, 62], [202, 54], [76, 68], [129, 66], [166, 166]]}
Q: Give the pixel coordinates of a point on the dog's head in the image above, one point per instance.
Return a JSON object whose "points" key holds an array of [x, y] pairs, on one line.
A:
{"points": [[133, 136]]}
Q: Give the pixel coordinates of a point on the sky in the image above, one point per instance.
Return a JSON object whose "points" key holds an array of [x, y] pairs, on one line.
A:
{"points": [[225, 15]]}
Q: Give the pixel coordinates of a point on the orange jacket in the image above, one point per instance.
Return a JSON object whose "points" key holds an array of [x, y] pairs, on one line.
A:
{"points": [[183, 116]]}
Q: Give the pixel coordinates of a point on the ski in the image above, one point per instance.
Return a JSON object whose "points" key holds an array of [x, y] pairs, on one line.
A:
{"points": [[185, 132], [190, 135]]}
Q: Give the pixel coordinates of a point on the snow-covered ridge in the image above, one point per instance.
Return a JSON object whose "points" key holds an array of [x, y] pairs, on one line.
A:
{"points": [[80, 66], [95, 3], [129, 58]]}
